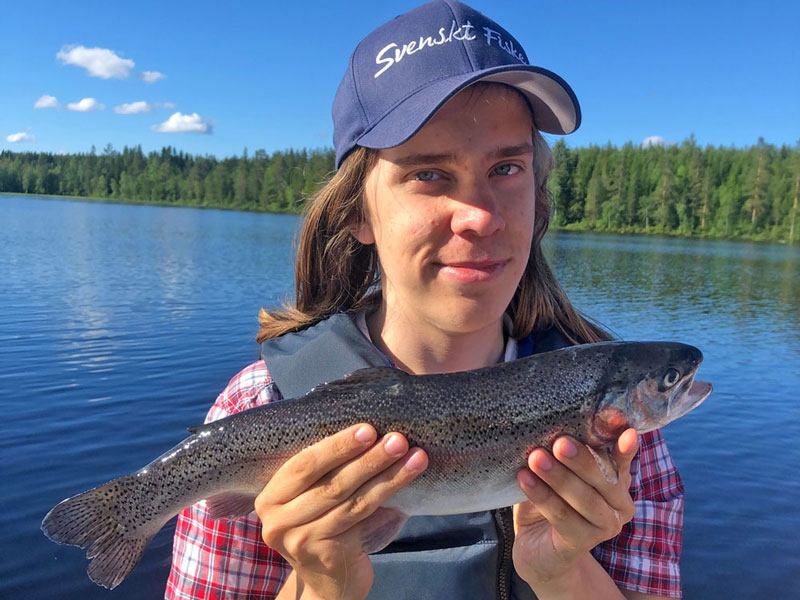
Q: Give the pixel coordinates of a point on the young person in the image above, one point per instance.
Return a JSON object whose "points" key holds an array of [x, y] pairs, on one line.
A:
{"points": [[423, 252]]}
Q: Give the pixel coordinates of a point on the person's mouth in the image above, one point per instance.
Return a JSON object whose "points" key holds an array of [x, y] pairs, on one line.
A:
{"points": [[472, 271]]}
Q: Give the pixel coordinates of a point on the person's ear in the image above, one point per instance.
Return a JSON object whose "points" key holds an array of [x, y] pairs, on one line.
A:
{"points": [[363, 233]]}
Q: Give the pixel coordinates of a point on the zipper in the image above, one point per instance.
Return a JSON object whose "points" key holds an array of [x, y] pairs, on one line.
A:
{"points": [[503, 519]]}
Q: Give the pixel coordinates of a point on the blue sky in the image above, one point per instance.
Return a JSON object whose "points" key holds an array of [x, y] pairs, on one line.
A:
{"points": [[262, 75]]}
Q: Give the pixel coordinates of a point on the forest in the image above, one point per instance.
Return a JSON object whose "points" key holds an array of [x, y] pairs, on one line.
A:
{"points": [[679, 189]]}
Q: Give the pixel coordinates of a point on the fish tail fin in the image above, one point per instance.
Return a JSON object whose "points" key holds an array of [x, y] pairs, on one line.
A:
{"points": [[96, 519]]}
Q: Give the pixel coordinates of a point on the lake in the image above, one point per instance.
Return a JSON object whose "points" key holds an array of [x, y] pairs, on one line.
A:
{"points": [[119, 324]]}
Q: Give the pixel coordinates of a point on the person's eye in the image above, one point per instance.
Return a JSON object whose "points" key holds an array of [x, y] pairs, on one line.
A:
{"points": [[507, 169], [426, 176]]}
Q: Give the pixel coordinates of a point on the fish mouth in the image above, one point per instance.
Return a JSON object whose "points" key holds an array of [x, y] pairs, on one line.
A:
{"points": [[690, 399]]}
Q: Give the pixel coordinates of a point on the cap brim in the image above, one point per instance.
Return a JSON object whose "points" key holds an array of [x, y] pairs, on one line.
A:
{"points": [[554, 105]]}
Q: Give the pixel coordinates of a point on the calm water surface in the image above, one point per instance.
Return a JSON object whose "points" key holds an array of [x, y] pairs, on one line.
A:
{"points": [[120, 324]]}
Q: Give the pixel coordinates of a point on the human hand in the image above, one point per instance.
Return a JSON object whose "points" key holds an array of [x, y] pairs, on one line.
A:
{"points": [[322, 509], [571, 507]]}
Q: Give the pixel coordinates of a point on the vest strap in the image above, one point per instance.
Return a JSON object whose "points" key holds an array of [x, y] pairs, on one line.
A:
{"points": [[327, 351]]}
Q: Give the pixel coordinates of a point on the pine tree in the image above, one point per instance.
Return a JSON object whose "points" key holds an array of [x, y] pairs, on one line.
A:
{"points": [[793, 218], [596, 196], [561, 184], [758, 182]]}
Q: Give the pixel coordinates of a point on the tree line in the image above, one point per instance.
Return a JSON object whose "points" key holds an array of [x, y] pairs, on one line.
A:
{"points": [[275, 183], [680, 189]]}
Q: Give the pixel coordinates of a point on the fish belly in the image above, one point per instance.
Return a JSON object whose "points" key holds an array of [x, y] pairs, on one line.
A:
{"points": [[446, 497]]}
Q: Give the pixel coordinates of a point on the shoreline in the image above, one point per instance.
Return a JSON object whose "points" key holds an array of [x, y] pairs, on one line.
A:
{"points": [[572, 228]]}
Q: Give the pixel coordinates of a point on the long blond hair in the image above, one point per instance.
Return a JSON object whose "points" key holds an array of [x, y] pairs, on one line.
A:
{"points": [[335, 272]]}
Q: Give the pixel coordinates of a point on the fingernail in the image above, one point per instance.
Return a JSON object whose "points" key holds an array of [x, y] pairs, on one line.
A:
{"points": [[365, 434], [544, 462], [395, 445], [568, 448], [416, 462], [527, 478]]}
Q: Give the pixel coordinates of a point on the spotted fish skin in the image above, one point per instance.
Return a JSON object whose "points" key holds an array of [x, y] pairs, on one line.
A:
{"points": [[477, 428]]}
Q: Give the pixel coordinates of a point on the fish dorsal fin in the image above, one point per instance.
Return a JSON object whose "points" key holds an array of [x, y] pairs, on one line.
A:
{"points": [[197, 429], [366, 376]]}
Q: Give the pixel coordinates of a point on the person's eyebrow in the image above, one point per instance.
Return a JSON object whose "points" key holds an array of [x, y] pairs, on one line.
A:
{"points": [[413, 160], [508, 151]]}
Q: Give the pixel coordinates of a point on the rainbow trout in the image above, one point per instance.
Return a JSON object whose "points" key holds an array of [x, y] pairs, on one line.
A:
{"points": [[478, 428]]}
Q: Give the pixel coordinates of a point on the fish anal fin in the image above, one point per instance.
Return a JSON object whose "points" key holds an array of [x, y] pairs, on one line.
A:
{"points": [[606, 464], [367, 376], [381, 527], [230, 505]]}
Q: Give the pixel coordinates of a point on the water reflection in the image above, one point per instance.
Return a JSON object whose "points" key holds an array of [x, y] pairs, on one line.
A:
{"points": [[672, 280]]}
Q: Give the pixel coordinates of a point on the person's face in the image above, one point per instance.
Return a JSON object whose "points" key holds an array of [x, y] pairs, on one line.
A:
{"points": [[451, 212]]}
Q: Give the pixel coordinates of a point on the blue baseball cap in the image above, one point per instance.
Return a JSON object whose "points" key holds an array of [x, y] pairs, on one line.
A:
{"points": [[407, 69]]}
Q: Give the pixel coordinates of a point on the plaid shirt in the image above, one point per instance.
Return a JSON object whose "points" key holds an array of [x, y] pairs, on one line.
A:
{"points": [[215, 559]]}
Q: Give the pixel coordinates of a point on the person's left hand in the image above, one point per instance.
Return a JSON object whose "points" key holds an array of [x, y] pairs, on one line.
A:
{"points": [[571, 507]]}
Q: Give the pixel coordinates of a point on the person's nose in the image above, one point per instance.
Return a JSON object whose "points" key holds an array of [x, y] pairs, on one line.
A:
{"points": [[476, 210]]}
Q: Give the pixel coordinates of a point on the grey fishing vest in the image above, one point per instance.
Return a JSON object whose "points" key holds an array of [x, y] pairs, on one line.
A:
{"points": [[433, 557]]}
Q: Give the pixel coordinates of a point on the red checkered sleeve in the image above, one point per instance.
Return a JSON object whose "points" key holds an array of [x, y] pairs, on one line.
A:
{"points": [[226, 558], [644, 556]]}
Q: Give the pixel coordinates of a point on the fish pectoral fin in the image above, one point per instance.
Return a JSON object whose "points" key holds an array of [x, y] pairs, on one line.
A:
{"points": [[606, 463], [230, 505], [380, 528]]}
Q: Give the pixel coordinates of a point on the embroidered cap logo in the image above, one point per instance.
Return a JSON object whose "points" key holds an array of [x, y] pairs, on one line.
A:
{"points": [[464, 32]]}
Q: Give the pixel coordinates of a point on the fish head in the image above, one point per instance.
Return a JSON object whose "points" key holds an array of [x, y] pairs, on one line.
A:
{"points": [[649, 385]]}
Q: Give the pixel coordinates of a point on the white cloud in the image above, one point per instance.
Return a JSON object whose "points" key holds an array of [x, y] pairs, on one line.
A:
{"points": [[20, 137], [46, 101], [99, 62], [133, 108], [656, 140], [164, 105], [180, 123], [151, 76], [86, 105]]}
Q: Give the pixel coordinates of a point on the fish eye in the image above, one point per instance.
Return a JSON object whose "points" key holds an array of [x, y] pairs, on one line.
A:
{"points": [[670, 378]]}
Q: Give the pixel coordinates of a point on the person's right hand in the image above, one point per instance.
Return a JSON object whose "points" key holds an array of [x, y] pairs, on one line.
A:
{"points": [[322, 509]]}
